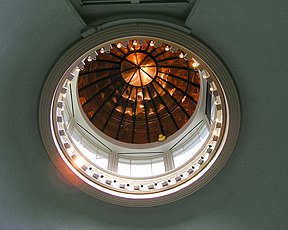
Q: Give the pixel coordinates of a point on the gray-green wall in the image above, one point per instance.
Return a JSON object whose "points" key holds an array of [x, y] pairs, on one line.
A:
{"points": [[250, 192]]}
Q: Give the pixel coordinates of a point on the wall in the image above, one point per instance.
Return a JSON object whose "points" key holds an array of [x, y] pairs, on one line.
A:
{"points": [[249, 193]]}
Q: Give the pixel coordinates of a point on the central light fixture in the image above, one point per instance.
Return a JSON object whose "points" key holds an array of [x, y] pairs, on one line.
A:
{"points": [[138, 69]]}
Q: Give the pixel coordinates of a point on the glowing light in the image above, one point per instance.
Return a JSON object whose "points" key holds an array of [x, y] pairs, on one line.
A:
{"points": [[129, 111], [102, 50], [134, 43], [119, 45], [172, 91], [89, 59], [195, 63], [182, 55], [70, 151], [167, 48], [152, 43], [119, 109], [78, 161], [183, 99]]}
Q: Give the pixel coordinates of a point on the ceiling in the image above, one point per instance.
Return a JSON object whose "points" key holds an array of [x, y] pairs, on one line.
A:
{"points": [[249, 193], [136, 92]]}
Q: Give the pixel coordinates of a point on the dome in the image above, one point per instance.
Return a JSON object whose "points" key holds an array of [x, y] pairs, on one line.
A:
{"points": [[143, 116], [135, 93]]}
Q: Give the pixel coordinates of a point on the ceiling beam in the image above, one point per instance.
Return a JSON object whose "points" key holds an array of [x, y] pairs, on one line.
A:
{"points": [[191, 13]]}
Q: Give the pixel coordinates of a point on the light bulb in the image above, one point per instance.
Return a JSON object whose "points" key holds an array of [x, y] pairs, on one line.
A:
{"points": [[134, 43], [167, 48], [152, 43], [102, 50], [89, 58], [194, 64], [181, 55], [119, 45]]}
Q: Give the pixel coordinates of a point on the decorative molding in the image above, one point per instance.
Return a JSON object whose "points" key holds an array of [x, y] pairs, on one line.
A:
{"points": [[206, 57]]}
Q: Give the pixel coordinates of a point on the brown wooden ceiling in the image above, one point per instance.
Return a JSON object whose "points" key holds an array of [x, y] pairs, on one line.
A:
{"points": [[135, 93]]}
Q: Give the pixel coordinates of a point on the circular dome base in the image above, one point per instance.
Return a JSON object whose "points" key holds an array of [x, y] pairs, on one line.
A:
{"points": [[107, 184]]}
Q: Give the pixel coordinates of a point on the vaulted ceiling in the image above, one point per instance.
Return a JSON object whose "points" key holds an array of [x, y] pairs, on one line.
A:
{"points": [[249, 193]]}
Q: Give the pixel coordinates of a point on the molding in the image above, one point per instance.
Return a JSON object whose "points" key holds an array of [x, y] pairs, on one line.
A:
{"points": [[91, 30], [76, 13], [192, 12], [218, 72]]}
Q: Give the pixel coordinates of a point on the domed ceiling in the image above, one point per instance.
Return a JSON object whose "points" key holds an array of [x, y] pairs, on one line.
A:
{"points": [[138, 91]]}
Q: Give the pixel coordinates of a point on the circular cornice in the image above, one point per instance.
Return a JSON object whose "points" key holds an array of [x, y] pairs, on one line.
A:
{"points": [[218, 73]]}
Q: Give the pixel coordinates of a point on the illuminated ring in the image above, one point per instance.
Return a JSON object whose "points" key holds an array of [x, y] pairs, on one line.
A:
{"points": [[215, 73]]}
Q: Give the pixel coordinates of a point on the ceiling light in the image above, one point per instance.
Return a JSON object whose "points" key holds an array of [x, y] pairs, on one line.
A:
{"points": [[182, 55], [194, 64]]}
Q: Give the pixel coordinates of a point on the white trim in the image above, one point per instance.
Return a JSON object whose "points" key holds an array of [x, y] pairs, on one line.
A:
{"points": [[206, 165]]}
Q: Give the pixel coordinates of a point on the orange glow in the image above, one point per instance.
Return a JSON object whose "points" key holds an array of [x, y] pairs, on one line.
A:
{"points": [[183, 99], [79, 162], [172, 91], [139, 86], [138, 69], [82, 100]]}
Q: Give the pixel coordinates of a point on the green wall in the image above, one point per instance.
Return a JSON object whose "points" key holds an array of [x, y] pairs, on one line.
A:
{"points": [[249, 193]]}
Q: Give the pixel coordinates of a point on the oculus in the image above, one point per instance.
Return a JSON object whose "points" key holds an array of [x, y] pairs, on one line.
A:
{"points": [[139, 114]]}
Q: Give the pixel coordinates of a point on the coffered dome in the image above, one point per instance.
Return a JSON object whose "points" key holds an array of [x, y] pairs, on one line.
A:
{"points": [[135, 93]]}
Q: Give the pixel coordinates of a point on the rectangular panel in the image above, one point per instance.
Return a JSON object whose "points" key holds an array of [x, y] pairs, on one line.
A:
{"points": [[109, 2]]}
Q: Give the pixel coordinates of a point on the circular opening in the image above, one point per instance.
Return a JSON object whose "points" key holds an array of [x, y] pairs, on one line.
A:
{"points": [[131, 169]]}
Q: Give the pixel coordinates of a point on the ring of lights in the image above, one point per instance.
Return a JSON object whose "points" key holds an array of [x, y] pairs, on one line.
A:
{"points": [[157, 190], [160, 84]]}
